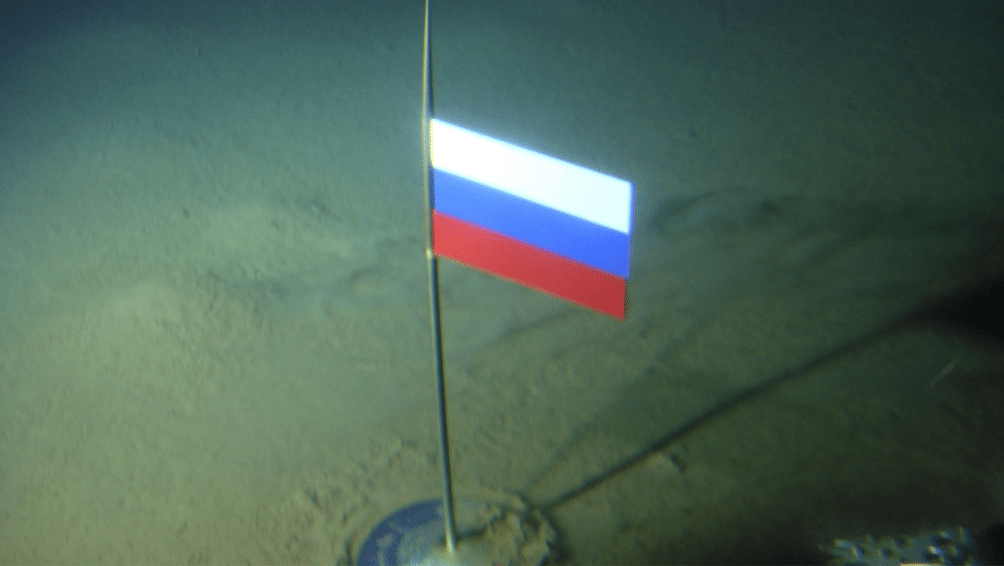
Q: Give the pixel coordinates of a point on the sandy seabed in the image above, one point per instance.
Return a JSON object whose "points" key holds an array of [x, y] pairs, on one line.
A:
{"points": [[215, 343]]}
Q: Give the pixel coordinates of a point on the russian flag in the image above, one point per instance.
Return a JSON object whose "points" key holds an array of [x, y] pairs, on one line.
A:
{"points": [[530, 218]]}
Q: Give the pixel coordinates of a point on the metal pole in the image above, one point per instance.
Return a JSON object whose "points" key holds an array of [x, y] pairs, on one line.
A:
{"points": [[434, 309]]}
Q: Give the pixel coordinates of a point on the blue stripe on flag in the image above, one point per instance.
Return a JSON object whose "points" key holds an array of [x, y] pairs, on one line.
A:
{"points": [[541, 226]]}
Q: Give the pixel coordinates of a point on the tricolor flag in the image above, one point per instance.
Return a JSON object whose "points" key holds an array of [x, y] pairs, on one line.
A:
{"points": [[534, 219]]}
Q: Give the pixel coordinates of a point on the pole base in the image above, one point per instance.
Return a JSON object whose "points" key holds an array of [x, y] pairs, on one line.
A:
{"points": [[487, 533]]}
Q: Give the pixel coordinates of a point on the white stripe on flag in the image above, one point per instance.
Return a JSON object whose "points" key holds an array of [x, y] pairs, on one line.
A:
{"points": [[569, 188]]}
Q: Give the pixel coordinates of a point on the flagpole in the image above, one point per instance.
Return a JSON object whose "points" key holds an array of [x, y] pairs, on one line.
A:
{"points": [[434, 308]]}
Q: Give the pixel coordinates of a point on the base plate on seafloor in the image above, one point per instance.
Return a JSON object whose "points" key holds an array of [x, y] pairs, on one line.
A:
{"points": [[506, 533]]}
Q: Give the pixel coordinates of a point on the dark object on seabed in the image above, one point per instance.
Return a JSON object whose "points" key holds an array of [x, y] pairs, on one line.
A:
{"points": [[951, 547]]}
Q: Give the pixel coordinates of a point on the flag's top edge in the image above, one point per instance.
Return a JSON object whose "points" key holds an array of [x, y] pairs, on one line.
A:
{"points": [[533, 176]]}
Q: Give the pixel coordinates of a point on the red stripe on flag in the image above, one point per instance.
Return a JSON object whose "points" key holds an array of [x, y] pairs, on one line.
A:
{"points": [[528, 265]]}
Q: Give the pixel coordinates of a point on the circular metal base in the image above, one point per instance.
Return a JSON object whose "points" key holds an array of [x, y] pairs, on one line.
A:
{"points": [[487, 534]]}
